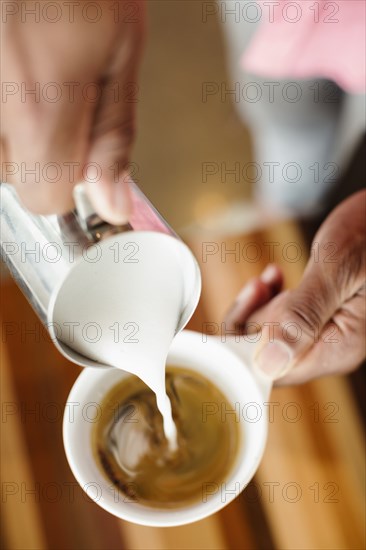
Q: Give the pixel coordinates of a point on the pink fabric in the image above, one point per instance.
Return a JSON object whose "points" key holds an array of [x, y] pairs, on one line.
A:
{"points": [[328, 42]]}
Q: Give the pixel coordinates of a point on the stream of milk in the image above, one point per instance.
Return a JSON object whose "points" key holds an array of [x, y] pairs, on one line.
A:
{"points": [[125, 314]]}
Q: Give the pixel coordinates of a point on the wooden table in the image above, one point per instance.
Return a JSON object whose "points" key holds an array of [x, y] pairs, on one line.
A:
{"points": [[308, 492]]}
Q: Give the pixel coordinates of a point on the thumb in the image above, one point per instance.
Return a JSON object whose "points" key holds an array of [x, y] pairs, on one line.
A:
{"points": [[293, 323]]}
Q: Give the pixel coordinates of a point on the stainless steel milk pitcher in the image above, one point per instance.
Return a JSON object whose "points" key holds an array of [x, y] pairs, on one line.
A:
{"points": [[41, 251]]}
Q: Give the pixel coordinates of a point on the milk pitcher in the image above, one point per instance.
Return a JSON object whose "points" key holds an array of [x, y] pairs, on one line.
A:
{"points": [[46, 253]]}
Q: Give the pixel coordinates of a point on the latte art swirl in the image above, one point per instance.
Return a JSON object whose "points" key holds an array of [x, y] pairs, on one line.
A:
{"points": [[133, 452]]}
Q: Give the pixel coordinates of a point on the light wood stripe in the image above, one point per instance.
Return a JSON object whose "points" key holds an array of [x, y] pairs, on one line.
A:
{"points": [[242, 522], [202, 535], [309, 453], [21, 517]]}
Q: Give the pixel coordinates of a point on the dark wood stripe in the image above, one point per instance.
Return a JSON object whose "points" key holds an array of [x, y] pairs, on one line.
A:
{"points": [[357, 381], [42, 379], [244, 521], [3, 535], [253, 510]]}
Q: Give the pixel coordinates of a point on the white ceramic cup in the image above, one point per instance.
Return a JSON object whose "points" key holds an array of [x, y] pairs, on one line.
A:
{"points": [[226, 364]]}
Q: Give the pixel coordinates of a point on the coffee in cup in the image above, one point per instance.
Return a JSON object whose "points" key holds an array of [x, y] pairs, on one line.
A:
{"points": [[131, 449]]}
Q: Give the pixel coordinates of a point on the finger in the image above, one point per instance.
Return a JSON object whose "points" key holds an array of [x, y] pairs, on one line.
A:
{"points": [[273, 277], [45, 136], [339, 348], [114, 132], [44, 146], [292, 322], [48, 141], [256, 293], [43, 151]]}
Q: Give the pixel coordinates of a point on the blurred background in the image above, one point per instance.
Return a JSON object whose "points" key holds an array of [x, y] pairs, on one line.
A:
{"points": [[180, 129], [309, 490]]}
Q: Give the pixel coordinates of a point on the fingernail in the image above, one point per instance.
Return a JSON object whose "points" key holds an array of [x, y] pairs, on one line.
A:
{"points": [[245, 294], [269, 274], [274, 359]]}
